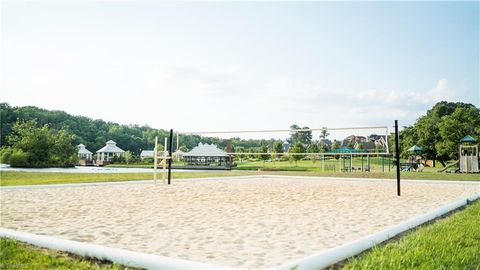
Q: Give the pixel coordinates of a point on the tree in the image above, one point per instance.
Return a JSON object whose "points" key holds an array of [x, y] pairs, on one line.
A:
{"points": [[303, 136], [452, 128], [335, 145], [296, 149], [277, 149], [34, 146], [266, 156], [324, 133], [313, 148], [427, 127], [128, 156], [407, 138], [240, 149]]}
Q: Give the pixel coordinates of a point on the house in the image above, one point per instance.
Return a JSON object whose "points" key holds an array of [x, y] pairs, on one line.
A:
{"points": [[146, 154], [326, 142], [379, 140], [106, 154], [365, 146], [207, 155], [352, 139], [85, 157]]}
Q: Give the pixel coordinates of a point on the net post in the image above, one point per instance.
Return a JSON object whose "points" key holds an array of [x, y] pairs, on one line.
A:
{"points": [[397, 156], [164, 170], [170, 141], [155, 159]]}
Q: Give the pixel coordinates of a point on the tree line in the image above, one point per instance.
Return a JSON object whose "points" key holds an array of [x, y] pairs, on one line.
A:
{"points": [[24, 129]]}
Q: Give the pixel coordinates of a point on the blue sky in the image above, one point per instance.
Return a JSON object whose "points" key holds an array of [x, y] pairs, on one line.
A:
{"points": [[233, 65]]}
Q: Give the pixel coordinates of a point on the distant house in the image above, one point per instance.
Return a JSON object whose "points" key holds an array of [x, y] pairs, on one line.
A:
{"points": [[207, 155], [379, 140], [352, 139], [146, 154], [365, 146], [85, 157], [106, 154], [326, 142]]}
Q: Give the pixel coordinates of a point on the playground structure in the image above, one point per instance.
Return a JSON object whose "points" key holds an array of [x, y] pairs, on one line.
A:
{"points": [[468, 155]]}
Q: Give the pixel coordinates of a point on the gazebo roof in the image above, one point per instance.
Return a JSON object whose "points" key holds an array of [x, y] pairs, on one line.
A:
{"points": [[468, 138], [82, 149], [111, 147], [415, 148], [206, 150]]}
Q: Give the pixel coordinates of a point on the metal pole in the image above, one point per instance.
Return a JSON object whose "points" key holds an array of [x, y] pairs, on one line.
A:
{"points": [[362, 163], [383, 164], [389, 162], [155, 159], [351, 163], [397, 155], [170, 142]]}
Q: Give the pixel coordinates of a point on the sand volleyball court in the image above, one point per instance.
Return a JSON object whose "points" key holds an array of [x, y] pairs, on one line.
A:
{"points": [[251, 222]]}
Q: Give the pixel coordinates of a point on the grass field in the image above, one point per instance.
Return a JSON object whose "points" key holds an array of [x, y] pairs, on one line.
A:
{"points": [[17, 255], [449, 243]]}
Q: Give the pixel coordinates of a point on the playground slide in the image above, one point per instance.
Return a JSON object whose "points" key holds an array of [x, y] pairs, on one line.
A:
{"points": [[449, 166]]}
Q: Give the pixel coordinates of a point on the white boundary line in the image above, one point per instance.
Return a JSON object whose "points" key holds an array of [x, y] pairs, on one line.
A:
{"points": [[121, 256], [150, 261]]}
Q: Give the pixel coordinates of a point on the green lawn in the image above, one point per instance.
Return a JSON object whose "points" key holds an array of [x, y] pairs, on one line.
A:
{"points": [[449, 243], [17, 255]]}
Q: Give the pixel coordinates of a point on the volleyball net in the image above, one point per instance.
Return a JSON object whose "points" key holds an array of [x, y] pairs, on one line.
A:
{"points": [[344, 149]]}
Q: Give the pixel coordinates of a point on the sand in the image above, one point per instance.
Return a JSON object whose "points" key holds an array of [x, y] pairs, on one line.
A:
{"points": [[249, 223]]}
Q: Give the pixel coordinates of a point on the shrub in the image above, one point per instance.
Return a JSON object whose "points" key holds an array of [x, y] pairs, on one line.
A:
{"points": [[5, 154], [18, 158]]}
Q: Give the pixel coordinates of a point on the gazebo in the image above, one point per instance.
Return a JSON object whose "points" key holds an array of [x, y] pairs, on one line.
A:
{"points": [[106, 154], [84, 155], [206, 155]]}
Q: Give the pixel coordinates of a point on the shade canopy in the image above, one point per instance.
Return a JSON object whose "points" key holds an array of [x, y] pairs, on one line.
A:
{"points": [[415, 148], [344, 149], [468, 138]]}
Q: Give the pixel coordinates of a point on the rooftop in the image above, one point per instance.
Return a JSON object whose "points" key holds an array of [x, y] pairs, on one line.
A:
{"points": [[82, 149], [206, 150], [111, 147]]}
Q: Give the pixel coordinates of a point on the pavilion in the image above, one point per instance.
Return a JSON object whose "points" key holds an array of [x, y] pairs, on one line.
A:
{"points": [[106, 154], [207, 155], [85, 157]]}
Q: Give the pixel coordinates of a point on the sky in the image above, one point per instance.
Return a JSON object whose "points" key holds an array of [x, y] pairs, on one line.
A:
{"points": [[202, 66]]}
